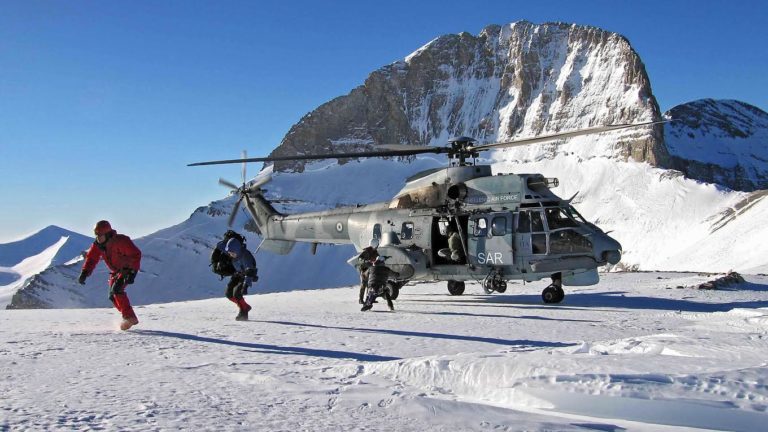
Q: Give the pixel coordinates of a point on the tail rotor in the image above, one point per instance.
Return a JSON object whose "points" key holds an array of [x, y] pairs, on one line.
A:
{"points": [[243, 190]]}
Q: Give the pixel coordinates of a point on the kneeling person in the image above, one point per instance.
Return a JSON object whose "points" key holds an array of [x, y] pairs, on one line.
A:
{"points": [[378, 275]]}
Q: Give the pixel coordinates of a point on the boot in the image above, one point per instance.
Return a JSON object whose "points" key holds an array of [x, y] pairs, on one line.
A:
{"points": [[128, 322], [243, 314], [366, 307]]}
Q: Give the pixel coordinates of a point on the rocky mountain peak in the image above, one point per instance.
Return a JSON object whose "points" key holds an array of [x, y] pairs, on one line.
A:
{"points": [[515, 80], [720, 141]]}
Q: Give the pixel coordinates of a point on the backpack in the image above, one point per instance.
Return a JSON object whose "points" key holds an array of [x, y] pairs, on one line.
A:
{"points": [[221, 263]]}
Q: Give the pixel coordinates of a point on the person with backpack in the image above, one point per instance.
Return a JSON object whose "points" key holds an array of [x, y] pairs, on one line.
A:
{"points": [[378, 275], [232, 258], [123, 259]]}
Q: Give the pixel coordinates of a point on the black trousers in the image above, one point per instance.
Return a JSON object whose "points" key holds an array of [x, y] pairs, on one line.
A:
{"points": [[236, 288]]}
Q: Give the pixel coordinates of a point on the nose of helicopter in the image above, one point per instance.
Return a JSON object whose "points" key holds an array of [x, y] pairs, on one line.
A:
{"points": [[607, 249]]}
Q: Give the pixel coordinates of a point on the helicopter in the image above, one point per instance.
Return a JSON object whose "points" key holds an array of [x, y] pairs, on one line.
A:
{"points": [[510, 226]]}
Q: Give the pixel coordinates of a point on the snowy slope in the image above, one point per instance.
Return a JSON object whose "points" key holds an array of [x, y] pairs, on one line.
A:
{"points": [[14, 252], [25, 258], [723, 141], [633, 353]]}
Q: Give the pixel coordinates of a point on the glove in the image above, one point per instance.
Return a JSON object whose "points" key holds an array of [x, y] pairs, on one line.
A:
{"points": [[129, 275], [81, 279], [251, 275]]}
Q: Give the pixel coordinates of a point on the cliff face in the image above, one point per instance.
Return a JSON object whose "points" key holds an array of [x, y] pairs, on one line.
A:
{"points": [[720, 141], [518, 80]]}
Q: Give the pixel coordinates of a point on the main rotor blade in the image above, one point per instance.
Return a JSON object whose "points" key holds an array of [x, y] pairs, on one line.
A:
{"points": [[402, 147], [234, 211], [404, 152], [227, 184], [244, 156], [561, 135]]}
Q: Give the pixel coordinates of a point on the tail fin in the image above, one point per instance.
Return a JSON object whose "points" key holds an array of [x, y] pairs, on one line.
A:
{"points": [[264, 216]]}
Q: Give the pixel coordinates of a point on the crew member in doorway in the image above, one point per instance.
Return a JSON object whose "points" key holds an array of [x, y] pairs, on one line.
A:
{"points": [[455, 245]]}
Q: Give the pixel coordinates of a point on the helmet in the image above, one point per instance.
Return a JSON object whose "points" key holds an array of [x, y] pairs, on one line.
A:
{"points": [[374, 243], [102, 228], [234, 246]]}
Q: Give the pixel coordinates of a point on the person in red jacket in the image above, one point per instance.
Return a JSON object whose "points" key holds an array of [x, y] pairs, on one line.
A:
{"points": [[123, 259]]}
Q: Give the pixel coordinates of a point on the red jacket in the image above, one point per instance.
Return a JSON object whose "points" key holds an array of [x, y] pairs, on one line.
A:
{"points": [[118, 253]]}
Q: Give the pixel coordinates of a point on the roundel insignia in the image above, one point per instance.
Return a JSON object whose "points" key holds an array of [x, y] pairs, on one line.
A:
{"points": [[339, 227]]}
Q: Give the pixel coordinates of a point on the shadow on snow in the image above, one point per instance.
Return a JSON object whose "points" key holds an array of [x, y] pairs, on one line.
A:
{"points": [[497, 341], [270, 349], [591, 301]]}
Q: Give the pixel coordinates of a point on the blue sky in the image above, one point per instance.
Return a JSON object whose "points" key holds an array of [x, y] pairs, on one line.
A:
{"points": [[103, 103]]}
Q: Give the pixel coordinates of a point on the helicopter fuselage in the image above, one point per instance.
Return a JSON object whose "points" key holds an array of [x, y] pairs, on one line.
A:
{"points": [[511, 225]]}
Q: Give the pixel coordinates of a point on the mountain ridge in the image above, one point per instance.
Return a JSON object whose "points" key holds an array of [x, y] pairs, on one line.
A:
{"points": [[719, 141], [14, 252], [510, 81]]}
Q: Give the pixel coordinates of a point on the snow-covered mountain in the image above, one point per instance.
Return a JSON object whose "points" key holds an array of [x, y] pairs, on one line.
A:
{"points": [[510, 81], [513, 81], [19, 260], [175, 267], [720, 141]]}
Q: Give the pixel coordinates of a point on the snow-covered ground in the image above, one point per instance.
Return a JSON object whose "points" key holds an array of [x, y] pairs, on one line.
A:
{"points": [[634, 352]]}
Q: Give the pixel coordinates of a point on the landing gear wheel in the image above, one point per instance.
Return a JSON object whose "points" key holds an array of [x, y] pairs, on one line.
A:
{"points": [[488, 286], [394, 289], [455, 288], [501, 287], [494, 282], [552, 294]]}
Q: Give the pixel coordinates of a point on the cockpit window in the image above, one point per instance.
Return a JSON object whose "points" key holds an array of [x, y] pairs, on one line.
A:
{"points": [[570, 211], [558, 218], [568, 241]]}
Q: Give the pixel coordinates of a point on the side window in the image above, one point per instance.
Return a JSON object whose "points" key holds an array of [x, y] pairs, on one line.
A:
{"points": [[536, 224], [499, 226], [538, 241], [377, 231], [523, 222], [406, 232], [481, 227]]}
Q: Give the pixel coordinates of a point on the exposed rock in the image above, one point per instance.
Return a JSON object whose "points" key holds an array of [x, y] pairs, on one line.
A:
{"points": [[719, 141], [517, 80], [729, 280]]}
